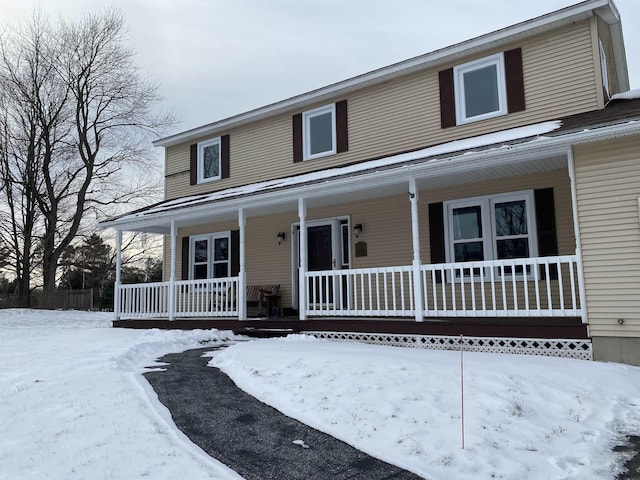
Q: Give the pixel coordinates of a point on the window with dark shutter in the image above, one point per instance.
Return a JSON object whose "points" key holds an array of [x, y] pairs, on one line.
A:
{"points": [[320, 132], [481, 89]]}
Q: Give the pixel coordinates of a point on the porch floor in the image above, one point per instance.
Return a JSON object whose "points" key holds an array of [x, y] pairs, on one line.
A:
{"points": [[536, 327]]}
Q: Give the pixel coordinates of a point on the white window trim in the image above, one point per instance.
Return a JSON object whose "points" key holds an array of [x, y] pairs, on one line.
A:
{"points": [[458, 79], [306, 131], [201, 147], [487, 203], [210, 237]]}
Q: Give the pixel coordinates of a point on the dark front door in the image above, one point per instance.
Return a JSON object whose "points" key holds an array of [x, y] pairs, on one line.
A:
{"points": [[320, 257]]}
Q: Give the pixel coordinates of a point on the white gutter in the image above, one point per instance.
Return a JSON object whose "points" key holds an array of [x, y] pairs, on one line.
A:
{"points": [[503, 36], [456, 163]]}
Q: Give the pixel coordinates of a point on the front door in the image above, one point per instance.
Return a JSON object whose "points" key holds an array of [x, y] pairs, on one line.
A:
{"points": [[320, 257], [325, 246]]}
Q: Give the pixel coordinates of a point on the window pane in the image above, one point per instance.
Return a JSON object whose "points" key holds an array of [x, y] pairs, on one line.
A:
{"points": [[513, 248], [221, 249], [511, 218], [467, 223], [220, 270], [468, 252], [199, 272], [201, 251], [321, 133], [481, 91], [211, 163]]}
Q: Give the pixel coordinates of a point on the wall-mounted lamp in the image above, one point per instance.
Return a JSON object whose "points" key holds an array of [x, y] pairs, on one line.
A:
{"points": [[281, 236], [357, 229]]}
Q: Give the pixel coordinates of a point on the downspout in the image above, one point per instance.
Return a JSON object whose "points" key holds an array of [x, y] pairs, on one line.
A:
{"points": [[172, 274], [417, 262], [116, 302], [302, 275], [576, 232]]}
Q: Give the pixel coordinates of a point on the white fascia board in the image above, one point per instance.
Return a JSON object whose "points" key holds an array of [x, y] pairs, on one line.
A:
{"points": [[503, 36], [450, 165]]}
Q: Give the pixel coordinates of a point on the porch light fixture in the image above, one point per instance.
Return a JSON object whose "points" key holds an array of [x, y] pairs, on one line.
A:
{"points": [[357, 229], [281, 236]]}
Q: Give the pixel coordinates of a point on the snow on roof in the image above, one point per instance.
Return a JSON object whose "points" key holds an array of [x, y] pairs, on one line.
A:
{"points": [[630, 95], [466, 145]]}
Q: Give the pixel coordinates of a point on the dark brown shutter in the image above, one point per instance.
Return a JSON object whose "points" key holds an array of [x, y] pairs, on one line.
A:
{"points": [[342, 134], [235, 252], [546, 222], [185, 258], [193, 165], [515, 80], [546, 226], [436, 235], [224, 156], [447, 99], [297, 138]]}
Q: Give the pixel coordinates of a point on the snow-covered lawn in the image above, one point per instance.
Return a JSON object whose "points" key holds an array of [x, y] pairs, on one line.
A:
{"points": [[74, 405]]}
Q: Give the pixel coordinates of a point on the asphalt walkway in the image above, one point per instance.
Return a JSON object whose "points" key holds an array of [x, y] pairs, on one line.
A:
{"points": [[250, 437]]}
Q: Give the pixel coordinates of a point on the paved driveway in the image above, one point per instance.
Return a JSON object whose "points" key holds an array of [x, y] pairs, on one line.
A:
{"points": [[250, 437]]}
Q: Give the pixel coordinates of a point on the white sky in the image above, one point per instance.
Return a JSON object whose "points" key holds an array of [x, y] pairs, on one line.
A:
{"points": [[217, 58]]}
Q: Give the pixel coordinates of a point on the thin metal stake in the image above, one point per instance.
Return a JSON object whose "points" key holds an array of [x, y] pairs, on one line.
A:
{"points": [[462, 386]]}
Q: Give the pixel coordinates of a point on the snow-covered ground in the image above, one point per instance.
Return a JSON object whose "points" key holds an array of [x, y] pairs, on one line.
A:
{"points": [[73, 404]]}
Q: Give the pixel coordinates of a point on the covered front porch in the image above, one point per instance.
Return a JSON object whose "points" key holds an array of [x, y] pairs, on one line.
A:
{"points": [[465, 241]]}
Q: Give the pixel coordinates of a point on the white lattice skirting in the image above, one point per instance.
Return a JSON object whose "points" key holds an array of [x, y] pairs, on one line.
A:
{"points": [[569, 348]]}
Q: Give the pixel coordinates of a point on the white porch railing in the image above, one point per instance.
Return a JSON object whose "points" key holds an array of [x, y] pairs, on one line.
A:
{"points": [[526, 287], [542, 286], [144, 300], [213, 297], [363, 292]]}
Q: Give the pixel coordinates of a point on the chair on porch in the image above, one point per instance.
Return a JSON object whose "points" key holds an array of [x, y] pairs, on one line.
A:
{"points": [[257, 298]]}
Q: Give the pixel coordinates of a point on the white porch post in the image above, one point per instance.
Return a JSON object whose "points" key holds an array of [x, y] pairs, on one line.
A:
{"points": [[576, 233], [172, 274], [302, 272], [116, 303], [242, 275], [417, 263]]}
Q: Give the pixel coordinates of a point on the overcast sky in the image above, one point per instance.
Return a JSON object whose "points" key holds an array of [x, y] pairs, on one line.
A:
{"points": [[217, 58]]}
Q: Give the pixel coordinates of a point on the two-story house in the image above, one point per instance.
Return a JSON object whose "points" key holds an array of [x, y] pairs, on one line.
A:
{"points": [[488, 189]]}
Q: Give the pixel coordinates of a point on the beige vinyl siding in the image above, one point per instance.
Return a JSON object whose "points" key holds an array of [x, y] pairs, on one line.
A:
{"points": [[387, 228], [404, 114], [608, 187]]}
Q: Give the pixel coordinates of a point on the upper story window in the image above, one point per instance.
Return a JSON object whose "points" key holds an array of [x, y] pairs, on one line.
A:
{"points": [[319, 132], [480, 89], [209, 167], [209, 160]]}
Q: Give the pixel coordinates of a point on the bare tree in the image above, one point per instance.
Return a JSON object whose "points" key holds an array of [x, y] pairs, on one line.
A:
{"points": [[78, 117]]}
